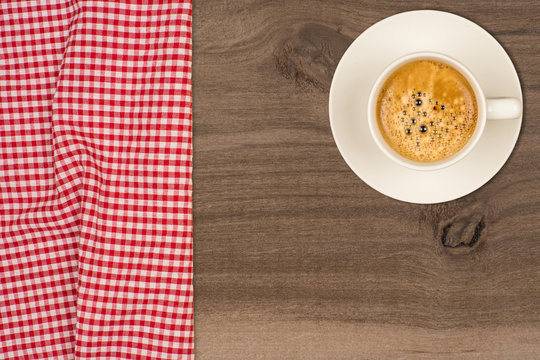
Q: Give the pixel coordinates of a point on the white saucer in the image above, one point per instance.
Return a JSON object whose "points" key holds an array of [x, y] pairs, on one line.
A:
{"points": [[367, 57]]}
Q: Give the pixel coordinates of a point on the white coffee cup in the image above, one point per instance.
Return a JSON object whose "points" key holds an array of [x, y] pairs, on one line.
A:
{"points": [[488, 109]]}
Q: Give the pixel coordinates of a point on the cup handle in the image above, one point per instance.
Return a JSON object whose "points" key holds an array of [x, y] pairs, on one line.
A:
{"points": [[503, 108]]}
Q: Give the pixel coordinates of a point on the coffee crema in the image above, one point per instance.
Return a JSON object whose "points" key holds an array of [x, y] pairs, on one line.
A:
{"points": [[426, 110]]}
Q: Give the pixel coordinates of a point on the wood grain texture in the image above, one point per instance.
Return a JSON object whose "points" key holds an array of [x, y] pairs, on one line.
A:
{"points": [[297, 258]]}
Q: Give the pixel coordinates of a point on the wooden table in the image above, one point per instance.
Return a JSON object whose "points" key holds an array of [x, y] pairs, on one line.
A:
{"points": [[297, 258]]}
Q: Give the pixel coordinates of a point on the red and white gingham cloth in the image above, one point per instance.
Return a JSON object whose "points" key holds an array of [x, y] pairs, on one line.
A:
{"points": [[95, 180]]}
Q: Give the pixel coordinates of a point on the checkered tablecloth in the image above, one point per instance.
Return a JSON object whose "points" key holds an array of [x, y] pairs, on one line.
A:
{"points": [[95, 180]]}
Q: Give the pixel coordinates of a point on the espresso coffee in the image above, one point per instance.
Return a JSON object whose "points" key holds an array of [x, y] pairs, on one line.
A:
{"points": [[426, 111]]}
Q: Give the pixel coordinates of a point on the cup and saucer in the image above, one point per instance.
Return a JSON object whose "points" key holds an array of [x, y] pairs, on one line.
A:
{"points": [[430, 35]]}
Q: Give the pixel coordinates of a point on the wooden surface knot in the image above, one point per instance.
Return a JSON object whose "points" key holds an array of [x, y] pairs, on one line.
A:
{"points": [[310, 55], [463, 231]]}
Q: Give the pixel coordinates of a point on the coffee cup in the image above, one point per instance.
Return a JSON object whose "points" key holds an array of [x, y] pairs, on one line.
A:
{"points": [[487, 109]]}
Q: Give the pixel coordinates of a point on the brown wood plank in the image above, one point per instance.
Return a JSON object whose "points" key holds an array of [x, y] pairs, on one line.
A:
{"points": [[297, 258]]}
